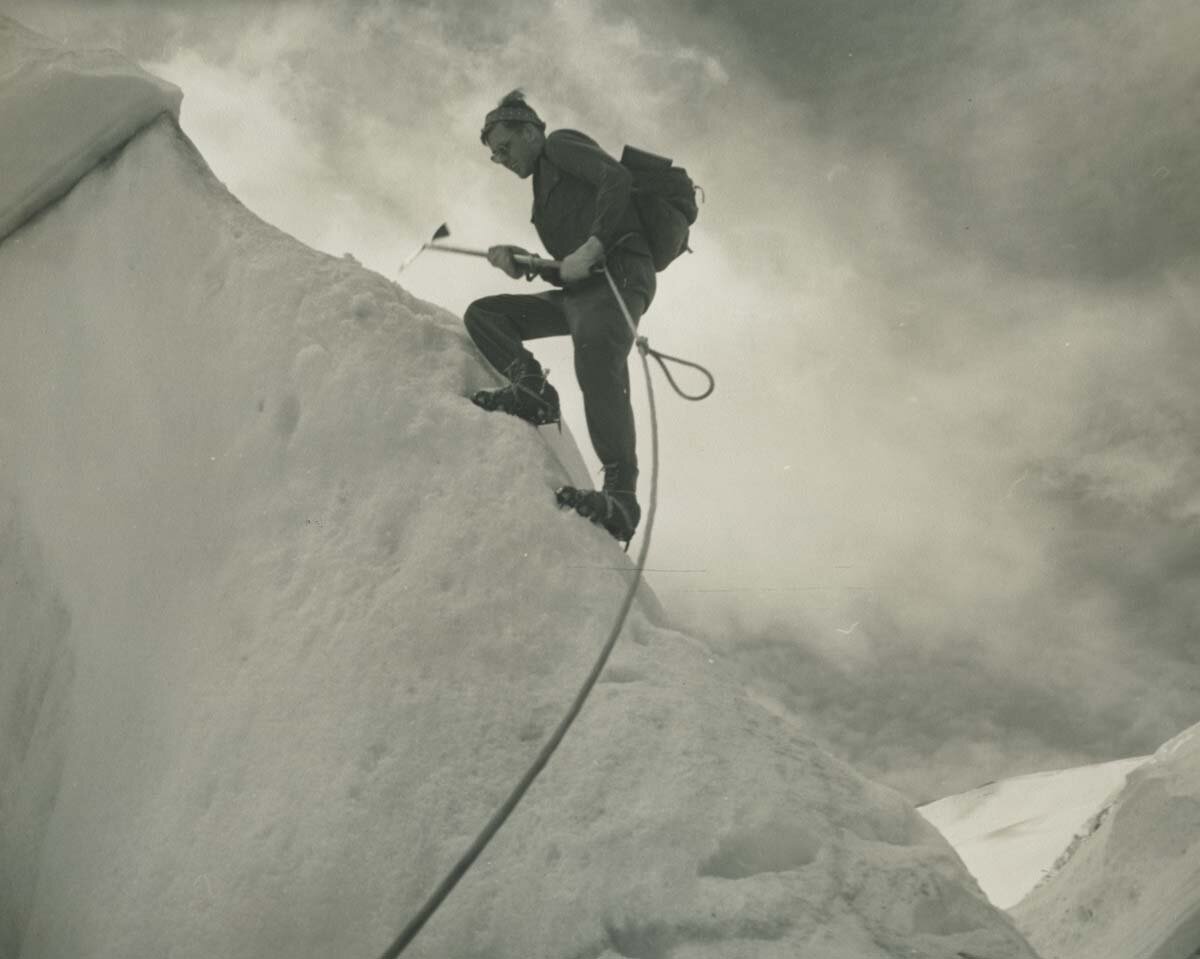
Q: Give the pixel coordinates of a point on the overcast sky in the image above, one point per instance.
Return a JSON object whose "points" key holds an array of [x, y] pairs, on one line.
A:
{"points": [[944, 500]]}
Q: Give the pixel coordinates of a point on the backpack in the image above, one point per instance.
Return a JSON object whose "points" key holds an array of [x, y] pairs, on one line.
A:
{"points": [[665, 199]]}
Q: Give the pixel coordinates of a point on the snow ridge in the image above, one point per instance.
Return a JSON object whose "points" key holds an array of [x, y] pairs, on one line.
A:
{"points": [[72, 108]]}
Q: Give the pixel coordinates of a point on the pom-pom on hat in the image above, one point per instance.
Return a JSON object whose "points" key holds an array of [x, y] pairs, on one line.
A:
{"points": [[512, 109]]}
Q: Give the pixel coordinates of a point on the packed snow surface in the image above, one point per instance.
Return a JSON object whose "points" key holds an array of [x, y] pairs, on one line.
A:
{"points": [[62, 111], [1010, 833], [286, 616], [1130, 888]]}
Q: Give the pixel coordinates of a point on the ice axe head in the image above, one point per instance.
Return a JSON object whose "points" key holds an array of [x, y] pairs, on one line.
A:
{"points": [[440, 233]]}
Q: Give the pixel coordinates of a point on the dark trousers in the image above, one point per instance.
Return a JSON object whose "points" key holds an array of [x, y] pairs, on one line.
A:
{"points": [[589, 313]]}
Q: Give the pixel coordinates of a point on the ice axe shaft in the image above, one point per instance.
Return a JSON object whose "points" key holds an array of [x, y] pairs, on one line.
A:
{"points": [[528, 261], [524, 259], [448, 248]]}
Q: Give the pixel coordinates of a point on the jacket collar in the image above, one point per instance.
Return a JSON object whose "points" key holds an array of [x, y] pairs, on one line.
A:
{"points": [[546, 177]]}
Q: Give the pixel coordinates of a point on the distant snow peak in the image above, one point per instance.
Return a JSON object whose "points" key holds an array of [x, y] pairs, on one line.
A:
{"points": [[1102, 860]]}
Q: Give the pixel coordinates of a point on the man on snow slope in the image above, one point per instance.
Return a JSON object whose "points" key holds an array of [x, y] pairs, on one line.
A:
{"points": [[584, 217]]}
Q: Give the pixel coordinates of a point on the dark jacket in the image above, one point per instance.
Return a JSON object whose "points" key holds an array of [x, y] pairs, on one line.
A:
{"points": [[580, 191]]}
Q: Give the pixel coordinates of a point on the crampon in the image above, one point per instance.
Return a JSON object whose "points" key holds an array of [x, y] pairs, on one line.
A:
{"points": [[618, 512], [527, 396]]}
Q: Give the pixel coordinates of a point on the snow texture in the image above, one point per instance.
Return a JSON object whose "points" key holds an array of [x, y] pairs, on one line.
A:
{"points": [[286, 616], [1010, 833], [1131, 886]]}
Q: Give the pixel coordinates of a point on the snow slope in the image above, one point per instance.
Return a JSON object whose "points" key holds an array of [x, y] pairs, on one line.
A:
{"points": [[286, 616], [1130, 888], [1010, 833]]}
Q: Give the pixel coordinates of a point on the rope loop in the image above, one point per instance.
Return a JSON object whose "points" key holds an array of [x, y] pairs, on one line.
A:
{"points": [[645, 349], [662, 358]]}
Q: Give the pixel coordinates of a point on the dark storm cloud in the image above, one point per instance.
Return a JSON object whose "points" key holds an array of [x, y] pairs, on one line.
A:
{"points": [[1058, 138], [931, 723]]}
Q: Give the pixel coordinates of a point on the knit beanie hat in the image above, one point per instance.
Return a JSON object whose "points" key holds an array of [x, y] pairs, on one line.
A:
{"points": [[512, 109]]}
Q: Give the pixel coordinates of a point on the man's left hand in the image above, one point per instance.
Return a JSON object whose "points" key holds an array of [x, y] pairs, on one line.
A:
{"points": [[578, 265]]}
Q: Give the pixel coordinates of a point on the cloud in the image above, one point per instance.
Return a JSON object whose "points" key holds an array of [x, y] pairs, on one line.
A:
{"points": [[1058, 135]]}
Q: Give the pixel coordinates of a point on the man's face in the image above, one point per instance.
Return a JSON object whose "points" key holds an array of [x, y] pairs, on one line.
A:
{"points": [[514, 149]]}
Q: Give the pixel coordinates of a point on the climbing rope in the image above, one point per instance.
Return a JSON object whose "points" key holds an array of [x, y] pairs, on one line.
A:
{"points": [[501, 815]]}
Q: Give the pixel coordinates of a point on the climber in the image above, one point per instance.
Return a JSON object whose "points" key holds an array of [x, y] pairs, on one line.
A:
{"points": [[584, 217]]}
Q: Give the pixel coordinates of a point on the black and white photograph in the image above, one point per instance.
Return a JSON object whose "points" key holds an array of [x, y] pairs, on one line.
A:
{"points": [[586, 479]]}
